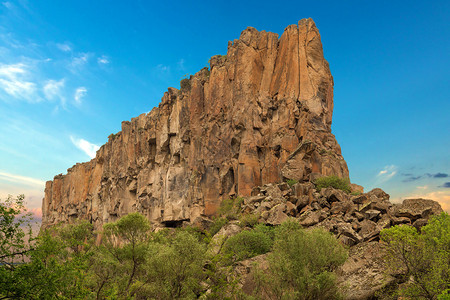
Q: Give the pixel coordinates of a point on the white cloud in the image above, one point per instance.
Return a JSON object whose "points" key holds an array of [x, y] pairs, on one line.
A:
{"points": [[422, 187], [387, 173], [13, 80], [53, 90], [79, 94], [88, 148], [64, 47], [103, 60], [11, 71], [78, 62], [21, 179]]}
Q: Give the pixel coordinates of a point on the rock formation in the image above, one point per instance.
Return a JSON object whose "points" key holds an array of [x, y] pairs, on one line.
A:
{"points": [[261, 114], [258, 118], [356, 220]]}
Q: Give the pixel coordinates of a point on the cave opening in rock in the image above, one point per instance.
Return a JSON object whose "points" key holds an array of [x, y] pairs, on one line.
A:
{"points": [[174, 223]]}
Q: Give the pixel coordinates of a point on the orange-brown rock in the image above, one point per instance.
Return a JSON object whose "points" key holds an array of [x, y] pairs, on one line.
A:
{"points": [[261, 114]]}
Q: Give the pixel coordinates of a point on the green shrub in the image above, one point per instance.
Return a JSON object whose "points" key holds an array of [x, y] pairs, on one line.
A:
{"points": [[291, 182], [333, 181], [302, 264], [185, 85], [445, 295], [231, 208], [217, 224], [355, 193], [423, 257], [246, 244], [173, 270], [248, 220]]}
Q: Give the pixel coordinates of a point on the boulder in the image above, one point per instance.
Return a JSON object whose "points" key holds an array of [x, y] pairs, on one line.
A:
{"points": [[417, 209], [277, 215], [310, 218], [361, 276]]}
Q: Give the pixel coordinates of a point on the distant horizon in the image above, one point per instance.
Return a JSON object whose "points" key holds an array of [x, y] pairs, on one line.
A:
{"points": [[67, 83]]}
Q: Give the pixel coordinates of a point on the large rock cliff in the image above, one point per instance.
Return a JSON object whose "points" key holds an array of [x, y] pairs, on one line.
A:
{"points": [[261, 114]]}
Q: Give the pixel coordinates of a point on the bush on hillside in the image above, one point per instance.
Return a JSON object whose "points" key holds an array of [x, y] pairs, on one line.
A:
{"points": [[333, 181], [420, 259], [302, 264], [185, 85], [247, 244]]}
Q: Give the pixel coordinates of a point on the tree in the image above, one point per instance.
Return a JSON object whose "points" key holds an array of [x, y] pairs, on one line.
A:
{"points": [[302, 264], [52, 265], [119, 261], [13, 219], [421, 260], [174, 268]]}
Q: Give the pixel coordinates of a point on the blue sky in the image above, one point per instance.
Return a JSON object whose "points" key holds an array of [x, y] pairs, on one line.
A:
{"points": [[71, 71]]}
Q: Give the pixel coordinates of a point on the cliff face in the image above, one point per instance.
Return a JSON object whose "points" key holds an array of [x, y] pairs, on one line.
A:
{"points": [[262, 114]]}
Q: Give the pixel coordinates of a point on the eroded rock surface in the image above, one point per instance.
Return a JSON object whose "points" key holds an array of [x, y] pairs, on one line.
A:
{"points": [[260, 115]]}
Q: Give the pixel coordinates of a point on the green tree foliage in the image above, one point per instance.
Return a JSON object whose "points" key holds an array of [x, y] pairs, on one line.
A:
{"points": [[53, 265], [301, 264], [333, 181], [129, 261], [421, 260], [174, 268], [231, 208], [121, 257], [247, 244]]}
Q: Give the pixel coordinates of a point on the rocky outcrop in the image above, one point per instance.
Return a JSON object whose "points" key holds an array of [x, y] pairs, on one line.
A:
{"points": [[352, 218], [261, 114], [356, 220]]}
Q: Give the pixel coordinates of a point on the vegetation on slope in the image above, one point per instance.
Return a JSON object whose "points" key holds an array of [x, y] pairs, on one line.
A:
{"points": [[133, 262], [333, 181], [421, 260]]}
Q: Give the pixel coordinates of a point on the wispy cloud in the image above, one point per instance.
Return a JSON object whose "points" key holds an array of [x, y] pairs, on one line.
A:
{"points": [[53, 90], [21, 179], [13, 80], [425, 187], [446, 185], [412, 177], [78, 62], [103, 60], [387, 173], [80, 93], [85, 146], [438, 175], [64, 47]]}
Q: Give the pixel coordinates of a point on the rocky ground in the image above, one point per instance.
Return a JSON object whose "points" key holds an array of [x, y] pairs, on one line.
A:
{"points": [[356, 220]]}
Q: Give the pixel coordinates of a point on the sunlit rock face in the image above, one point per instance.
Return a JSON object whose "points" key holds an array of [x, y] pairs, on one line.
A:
{"points": [[261, 114]]}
